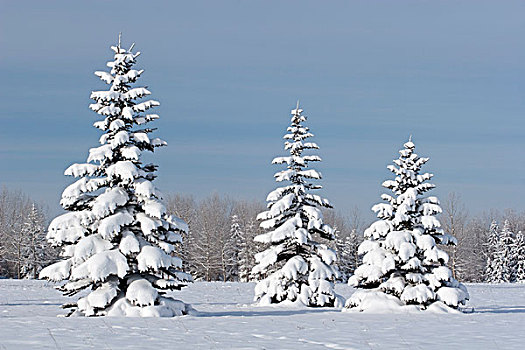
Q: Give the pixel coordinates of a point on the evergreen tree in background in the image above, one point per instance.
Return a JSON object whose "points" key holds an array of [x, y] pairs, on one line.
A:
{"points": [[492, 246], [346, 248], [402, 263], [17, 242], [350, 253], [503, 267], [36, 252], [519, 256], [339, 247], [354, 250], [117, 240], [234, 247], [246, 251], [295, 267]]}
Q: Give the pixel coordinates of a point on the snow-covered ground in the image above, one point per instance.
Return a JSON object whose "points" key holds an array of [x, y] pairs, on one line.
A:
{"points": [[226, 320]]}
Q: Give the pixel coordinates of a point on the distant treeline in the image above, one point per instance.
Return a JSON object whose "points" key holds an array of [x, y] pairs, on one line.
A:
{"points": [[220, 247]]}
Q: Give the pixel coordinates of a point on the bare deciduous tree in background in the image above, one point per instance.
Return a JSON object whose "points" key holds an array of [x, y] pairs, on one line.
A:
{"points": [[23, 247], [212, 254], [454, 220]]}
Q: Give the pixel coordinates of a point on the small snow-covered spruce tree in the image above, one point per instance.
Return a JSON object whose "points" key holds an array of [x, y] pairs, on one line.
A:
{"points": [[402, 263], [117, 239], [295, 268]]}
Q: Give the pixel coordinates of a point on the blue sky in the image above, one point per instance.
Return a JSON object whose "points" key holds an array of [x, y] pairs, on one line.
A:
{"points": [[227, 73]]}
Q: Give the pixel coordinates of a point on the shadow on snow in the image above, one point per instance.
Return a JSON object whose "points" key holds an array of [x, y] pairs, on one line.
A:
{"points": [[256, 313], [500, 310]]}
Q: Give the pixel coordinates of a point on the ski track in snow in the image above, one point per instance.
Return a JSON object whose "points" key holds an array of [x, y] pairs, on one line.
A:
{"points": [[227, 320]]}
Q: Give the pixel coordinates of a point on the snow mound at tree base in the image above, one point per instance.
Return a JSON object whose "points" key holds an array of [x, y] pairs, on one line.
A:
{"points": [[299, 303], [377, 302], [305, 298], [165, 307]]}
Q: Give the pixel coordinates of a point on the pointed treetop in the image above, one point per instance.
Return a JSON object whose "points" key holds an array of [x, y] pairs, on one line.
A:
{"points": [[119, 36], [409, 144], [297, 111]]}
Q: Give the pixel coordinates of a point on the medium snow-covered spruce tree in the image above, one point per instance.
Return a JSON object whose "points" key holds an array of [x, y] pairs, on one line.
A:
{"points": [[403, 268], [117, 239], [295, 268]]}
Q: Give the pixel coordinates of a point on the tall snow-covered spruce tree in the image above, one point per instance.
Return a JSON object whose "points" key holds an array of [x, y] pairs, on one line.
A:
{"points": [[403, 268], [295, 267], [117, 239]]}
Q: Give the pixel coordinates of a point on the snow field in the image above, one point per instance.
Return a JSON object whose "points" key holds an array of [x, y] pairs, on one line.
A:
{"points": [[226, 319]]}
